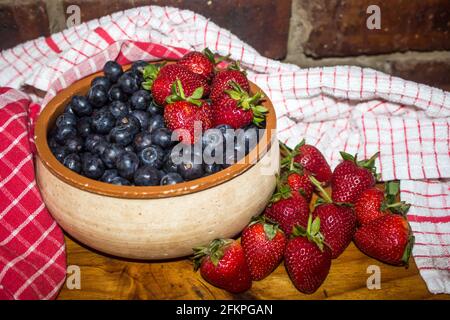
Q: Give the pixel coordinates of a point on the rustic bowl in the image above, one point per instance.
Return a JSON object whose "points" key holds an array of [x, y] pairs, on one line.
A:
{"points": [[156, 222]]}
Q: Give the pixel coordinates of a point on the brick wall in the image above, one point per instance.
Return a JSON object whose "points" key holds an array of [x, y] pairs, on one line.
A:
{"points": [[413, 41]]}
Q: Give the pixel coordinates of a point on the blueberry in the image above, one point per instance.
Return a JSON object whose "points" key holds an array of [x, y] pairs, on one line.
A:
{"points": [[103, 81], [138, 67], [116, 94], [129, 148], [118, 109], [128, 83], [127, 164], [110, 154], [100, 147], [93, 166], [108, 175], [122, 135], [74, 144], [191, 169], [162, 137], [154, 109], [60, 153], [212, 139], [98, 95], [142, 140], [65, 132], [102, 121], [169, 166], [69, 108], [112, 70], [211, 168], [140, 100], [81, 106], [171, 178], [52, 143], [92, 140], [152, 156], [73, 162], [130, 122], [120, 181], [146, 176], [157, 121], [142, 116], [224, 127], [66, 119], [84, 127]]}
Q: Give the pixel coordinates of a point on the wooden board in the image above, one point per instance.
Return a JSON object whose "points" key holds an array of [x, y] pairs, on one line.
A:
{"points": [[106, 277]]}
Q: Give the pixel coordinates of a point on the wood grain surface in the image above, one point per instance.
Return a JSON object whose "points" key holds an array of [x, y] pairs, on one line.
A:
{"points": [[106, 277]]}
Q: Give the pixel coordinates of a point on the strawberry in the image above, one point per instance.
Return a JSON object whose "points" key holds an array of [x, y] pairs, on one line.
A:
{"points": [[160, 80], [387, 238], [338, 221], [351, 177], [222, 81], [310, 159], [374, 203], [182, 113], [223, 265], [201, 63], [237, 109], [295, 177], [263, 243], [300, 183], [306, 258], [287, 209]]}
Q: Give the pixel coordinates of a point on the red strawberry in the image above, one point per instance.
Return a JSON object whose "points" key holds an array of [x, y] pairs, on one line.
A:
{"points": [[287, 210], [263, 244], [387, 239], [351, 177], [201, 63], [310, 159], [223, 265], [300, 183], [296, 178], [182, 113], [306, 258], [237, 109], [338, 222], [160, 81], [222, 80], [374, 203]]}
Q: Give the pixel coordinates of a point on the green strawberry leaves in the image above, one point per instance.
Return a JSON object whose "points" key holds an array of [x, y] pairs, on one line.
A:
{"points": [[149, 73], [215, 251], [270, 227], [247, 102], [283, 191], [179, 95], [408, 250], [368, 164], [312, 232], [391, 191], [215, 60]]}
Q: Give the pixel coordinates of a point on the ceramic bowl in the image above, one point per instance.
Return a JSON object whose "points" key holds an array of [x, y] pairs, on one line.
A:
{"points": [[157, 222]]}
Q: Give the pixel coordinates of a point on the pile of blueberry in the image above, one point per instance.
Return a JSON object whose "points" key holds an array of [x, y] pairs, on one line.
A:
{"points": [[116, 134]]}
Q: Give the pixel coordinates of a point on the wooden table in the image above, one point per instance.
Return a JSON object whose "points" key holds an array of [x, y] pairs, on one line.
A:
{"points": [[105, 277]]}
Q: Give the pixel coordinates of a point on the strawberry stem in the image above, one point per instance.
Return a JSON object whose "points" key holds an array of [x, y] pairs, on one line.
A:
{"points": [[322, 191]]}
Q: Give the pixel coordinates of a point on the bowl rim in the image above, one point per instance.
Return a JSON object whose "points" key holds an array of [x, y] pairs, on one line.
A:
{"points": [[50, 112]]}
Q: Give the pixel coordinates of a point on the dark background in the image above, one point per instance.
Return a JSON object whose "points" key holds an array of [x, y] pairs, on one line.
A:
{"points": [[413, 42]]}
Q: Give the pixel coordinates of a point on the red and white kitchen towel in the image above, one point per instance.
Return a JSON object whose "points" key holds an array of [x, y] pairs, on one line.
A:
{"points": [[354, 109]]}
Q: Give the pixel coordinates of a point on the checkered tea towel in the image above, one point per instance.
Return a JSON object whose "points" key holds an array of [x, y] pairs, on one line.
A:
{"points": [[348, 108]]}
